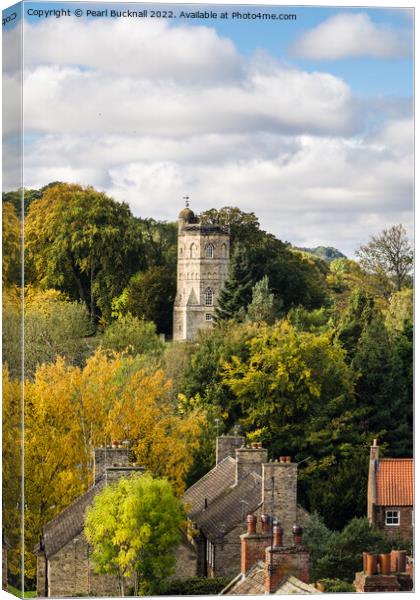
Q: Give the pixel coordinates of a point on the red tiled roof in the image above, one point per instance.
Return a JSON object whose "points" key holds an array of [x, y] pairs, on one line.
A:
{"points": [[394, 482]]}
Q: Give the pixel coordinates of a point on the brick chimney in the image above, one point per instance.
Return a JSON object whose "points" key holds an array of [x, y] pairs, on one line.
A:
{"points": [[113, 463], [254, 543], [226, 446], [371, 491], [249, 460], [376, 578], [282, 561], [280, 494]]}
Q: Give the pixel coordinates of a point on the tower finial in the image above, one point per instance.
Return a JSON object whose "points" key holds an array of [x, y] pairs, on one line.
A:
{"points": [[187, 200]]}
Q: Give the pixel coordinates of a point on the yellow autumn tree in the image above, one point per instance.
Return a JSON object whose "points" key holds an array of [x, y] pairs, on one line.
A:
{"points": [[69, 411], [12, 467]]}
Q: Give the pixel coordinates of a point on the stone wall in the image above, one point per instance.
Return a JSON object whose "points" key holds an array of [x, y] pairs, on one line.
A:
{"points": [[41, 575], [280, 495], [109, 457], [226, 446], [228, 553], [249, 460], [186, 561], [196, 272], [71, 573]]}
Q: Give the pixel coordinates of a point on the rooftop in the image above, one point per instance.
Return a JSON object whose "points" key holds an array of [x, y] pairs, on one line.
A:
{"points": [[395, 482]]}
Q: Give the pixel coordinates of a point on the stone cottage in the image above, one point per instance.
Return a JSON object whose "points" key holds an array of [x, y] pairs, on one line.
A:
{"points": [[242, 482], [391, 493], [64, 566]]}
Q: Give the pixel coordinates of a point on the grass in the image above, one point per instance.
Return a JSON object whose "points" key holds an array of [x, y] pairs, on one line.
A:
{"points": [[18, 593]]}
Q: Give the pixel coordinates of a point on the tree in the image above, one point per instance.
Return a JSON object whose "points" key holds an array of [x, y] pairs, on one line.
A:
{"points": [[11, 246], [134, 527], [261, 308], [150, 295], [12, 472], [71, 410], [235, 294], [55, 327], [133, 335], [82, 242], [388, 255], [338, 554]]}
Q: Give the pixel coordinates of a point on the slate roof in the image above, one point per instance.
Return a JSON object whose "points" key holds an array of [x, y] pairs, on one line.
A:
{"points": [[230, 508], [395, 482], [293, 585], [70, 522], [253, 584], [210, 486]]}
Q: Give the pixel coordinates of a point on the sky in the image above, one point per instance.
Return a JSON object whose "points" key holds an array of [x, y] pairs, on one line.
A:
{"points": [[308, 122]]}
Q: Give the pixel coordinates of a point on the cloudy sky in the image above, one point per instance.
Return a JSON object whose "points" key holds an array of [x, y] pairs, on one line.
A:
{"points": [[308, 123]]}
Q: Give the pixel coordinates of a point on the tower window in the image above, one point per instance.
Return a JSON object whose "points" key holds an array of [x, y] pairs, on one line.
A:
{"points": [[224, 251], [208, 297], [193, 251], [209, 251]]}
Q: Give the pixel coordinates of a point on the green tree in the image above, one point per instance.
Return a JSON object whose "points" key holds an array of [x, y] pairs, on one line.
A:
{"points": [[82, 242], [236, 292], [134, 527], [134, 335], [261, 308], [338, 554], [150, 295], [389, 255]]}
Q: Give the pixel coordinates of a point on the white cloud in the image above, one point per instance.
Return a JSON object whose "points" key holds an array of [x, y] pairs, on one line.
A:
{"points": [[281, 142], [60, 99], [351, 35], [145, 48]]}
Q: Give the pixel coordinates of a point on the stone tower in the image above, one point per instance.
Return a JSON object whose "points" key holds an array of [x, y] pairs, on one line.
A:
{"points": [[203, 261]]}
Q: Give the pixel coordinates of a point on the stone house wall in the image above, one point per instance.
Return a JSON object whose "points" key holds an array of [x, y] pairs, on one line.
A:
{"points": [[228, 554], [71, 573], [186, 561], [404, 529]]}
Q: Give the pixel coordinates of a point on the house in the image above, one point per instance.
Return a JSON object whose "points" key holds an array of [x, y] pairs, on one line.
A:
{"points": [[64, 566], [268, 564], [242, 482], [390, 493]]}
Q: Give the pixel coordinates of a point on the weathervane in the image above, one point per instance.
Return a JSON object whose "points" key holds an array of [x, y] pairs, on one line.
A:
{"points": [[187, 200]]}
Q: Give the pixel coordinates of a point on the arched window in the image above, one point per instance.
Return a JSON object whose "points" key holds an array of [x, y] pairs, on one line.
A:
{"points": [[181, 251], [193, 251], [224, 250], [209, 251], [208, 297]]}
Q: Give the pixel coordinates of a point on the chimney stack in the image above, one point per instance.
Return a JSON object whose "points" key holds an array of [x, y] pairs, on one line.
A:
{"points": [[249, 460], [281, 561], [226, 446], [280, 493], [371, 491], [391, 576], [253, 543]]}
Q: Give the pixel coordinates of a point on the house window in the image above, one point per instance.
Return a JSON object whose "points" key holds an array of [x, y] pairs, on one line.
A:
{"points": [[392, 517], [209, 251], [209, 317], [210, 553], [208, 297]]}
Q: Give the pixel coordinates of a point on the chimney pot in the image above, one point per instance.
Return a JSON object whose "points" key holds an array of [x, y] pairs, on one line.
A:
{"points": [[297, 535], [288, 459], [282, 459], [401, 561], [265, 523], [251, 521], [277, 536]]}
